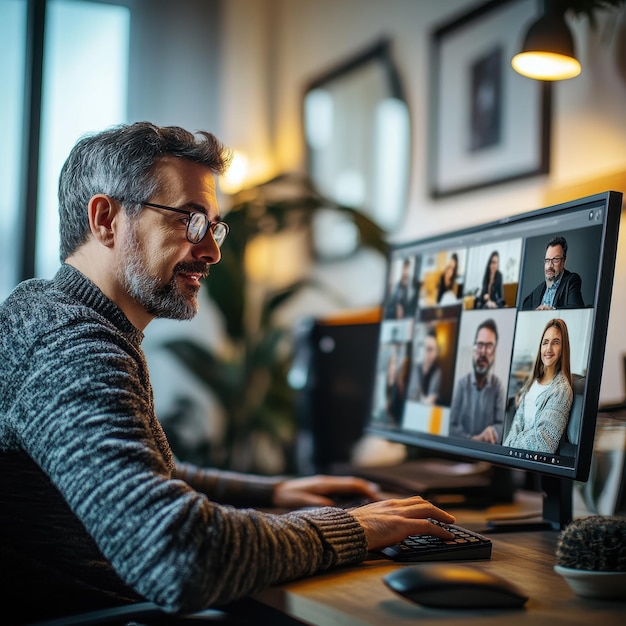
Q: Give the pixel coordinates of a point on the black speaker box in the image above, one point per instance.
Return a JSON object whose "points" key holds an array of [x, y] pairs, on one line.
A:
{"points": [[334, 366]]}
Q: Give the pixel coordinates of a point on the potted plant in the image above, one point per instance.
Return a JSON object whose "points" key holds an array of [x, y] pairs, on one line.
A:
{"points": [[250, 378]]}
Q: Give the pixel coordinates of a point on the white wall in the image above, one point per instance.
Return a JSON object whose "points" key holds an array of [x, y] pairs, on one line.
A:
{"points": [[173, 65], [273, 48], [305, 37]]}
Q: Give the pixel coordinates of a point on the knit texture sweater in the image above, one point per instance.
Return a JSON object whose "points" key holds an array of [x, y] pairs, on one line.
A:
{"points": [[94, 510], [553, 408]]}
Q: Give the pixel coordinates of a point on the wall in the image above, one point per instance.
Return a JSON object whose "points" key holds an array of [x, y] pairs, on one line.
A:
{"points": [[174, 63], [272, 48]]}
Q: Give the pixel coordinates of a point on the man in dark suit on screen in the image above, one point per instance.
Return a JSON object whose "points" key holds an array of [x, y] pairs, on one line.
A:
{"points": [[561, 288]]}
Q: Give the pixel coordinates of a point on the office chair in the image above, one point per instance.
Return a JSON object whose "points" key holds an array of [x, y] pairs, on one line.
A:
{"points": [[142, 614], [570, 438]]}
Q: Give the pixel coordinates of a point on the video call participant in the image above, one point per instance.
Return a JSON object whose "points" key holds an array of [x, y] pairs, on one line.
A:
{"points": [[397, 306], [478, 402], [94, 509], [426, 377], [491, 294], [447, 285], [546, 397], [561, 288], [397, 375]]}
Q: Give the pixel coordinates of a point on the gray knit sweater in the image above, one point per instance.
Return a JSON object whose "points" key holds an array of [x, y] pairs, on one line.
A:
{"points": [[93, 509]]}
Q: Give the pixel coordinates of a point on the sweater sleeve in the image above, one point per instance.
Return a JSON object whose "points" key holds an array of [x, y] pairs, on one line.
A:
{"points": [[498, 409], [229, 487], [517, 427], [85, 416]]}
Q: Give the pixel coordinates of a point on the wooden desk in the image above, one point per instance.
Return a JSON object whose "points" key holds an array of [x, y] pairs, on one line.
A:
{"points": [[357, 595]]}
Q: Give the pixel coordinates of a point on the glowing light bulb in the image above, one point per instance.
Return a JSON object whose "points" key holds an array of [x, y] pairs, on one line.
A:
{"points": [[546, 65]]}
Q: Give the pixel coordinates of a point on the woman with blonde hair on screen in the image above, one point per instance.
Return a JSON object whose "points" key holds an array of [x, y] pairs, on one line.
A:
{"points": [[546, 397]]}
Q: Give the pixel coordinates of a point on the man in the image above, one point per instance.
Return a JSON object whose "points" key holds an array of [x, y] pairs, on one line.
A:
{"points": [[94, 510], [561, 288], [477, 410]]}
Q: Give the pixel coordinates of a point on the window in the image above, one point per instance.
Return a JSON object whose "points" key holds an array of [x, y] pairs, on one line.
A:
{"points": [[12, 47], [85, 78]]}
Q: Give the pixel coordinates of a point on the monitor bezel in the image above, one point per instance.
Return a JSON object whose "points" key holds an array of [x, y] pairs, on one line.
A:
{"points": [[611, 202]]}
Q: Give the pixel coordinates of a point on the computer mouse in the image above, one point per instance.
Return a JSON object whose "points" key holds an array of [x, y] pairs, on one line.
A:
{"points": [[451, 586]]}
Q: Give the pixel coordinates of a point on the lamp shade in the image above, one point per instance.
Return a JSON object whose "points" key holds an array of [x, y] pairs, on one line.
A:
{"points": [[548, 50]]}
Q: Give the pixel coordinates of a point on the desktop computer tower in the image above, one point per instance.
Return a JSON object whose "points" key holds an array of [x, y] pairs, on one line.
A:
{"points": [[333, 374]]}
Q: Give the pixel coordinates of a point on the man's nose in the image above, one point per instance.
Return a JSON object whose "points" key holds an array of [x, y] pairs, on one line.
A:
{"points": [[207, 250]]}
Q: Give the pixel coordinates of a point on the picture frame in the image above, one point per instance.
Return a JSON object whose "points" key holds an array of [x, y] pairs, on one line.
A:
{"points": [[488, 124]]}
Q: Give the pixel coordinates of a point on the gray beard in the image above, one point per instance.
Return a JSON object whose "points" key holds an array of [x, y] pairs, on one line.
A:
{"points": [[480, 371], [551, 280], [159, 300]]}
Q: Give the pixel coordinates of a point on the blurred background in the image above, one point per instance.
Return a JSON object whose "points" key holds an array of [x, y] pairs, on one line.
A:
{"points": [[348, 119]]}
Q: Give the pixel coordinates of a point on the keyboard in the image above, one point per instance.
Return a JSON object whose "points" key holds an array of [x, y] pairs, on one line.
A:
{"points": [[466, 545]]}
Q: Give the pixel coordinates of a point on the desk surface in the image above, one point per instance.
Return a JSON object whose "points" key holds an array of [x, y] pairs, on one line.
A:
{"points": [[357, 595]]}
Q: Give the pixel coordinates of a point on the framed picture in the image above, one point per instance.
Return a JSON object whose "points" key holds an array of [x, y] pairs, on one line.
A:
{"points": [[488, 124]]}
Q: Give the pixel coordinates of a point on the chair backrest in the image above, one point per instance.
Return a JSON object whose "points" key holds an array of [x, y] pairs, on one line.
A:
{"points": [[144, 614], [138, 613], [571, 436]]}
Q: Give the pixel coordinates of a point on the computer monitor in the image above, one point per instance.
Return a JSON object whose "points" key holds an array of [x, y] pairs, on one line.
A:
{"points": [[464, 333]]}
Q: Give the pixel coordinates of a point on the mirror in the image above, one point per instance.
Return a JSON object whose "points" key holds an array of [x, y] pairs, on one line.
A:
{"points": [[357, 132]]}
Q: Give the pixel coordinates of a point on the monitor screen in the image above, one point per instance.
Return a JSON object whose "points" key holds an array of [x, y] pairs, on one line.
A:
{"points": [[492, 340]]}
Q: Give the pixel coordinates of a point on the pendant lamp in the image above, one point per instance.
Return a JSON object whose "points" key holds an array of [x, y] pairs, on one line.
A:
{"points": [[548, 49]]}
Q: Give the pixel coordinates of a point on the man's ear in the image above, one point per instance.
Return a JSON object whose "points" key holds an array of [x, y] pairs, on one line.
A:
{"points": [[104, 214]]}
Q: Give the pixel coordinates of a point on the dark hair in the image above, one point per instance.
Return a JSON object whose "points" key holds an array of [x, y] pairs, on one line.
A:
{"points": [[431, 332], [121, 162], [489, 324], [455, 257], [487, 273], [558, 241]]}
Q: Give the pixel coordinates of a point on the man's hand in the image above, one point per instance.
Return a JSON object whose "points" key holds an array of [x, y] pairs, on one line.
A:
{"points": [[390, 521], [316, 490], [488, 435], [385, 522]]}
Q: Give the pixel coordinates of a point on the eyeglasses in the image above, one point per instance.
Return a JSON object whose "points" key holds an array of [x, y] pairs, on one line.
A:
{"points": [[488, 348], [197, 224], [553, 261]]}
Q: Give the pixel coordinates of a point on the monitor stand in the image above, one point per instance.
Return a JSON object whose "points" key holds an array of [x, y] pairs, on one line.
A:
{"points": [[556, 514]]}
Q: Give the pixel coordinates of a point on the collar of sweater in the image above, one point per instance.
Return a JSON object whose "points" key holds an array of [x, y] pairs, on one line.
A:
{"points": [[72, 282]]}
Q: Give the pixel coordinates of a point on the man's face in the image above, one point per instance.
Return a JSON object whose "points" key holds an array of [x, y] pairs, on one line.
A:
{"points": [[158, 267], [554, 263], [484, 351]]}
